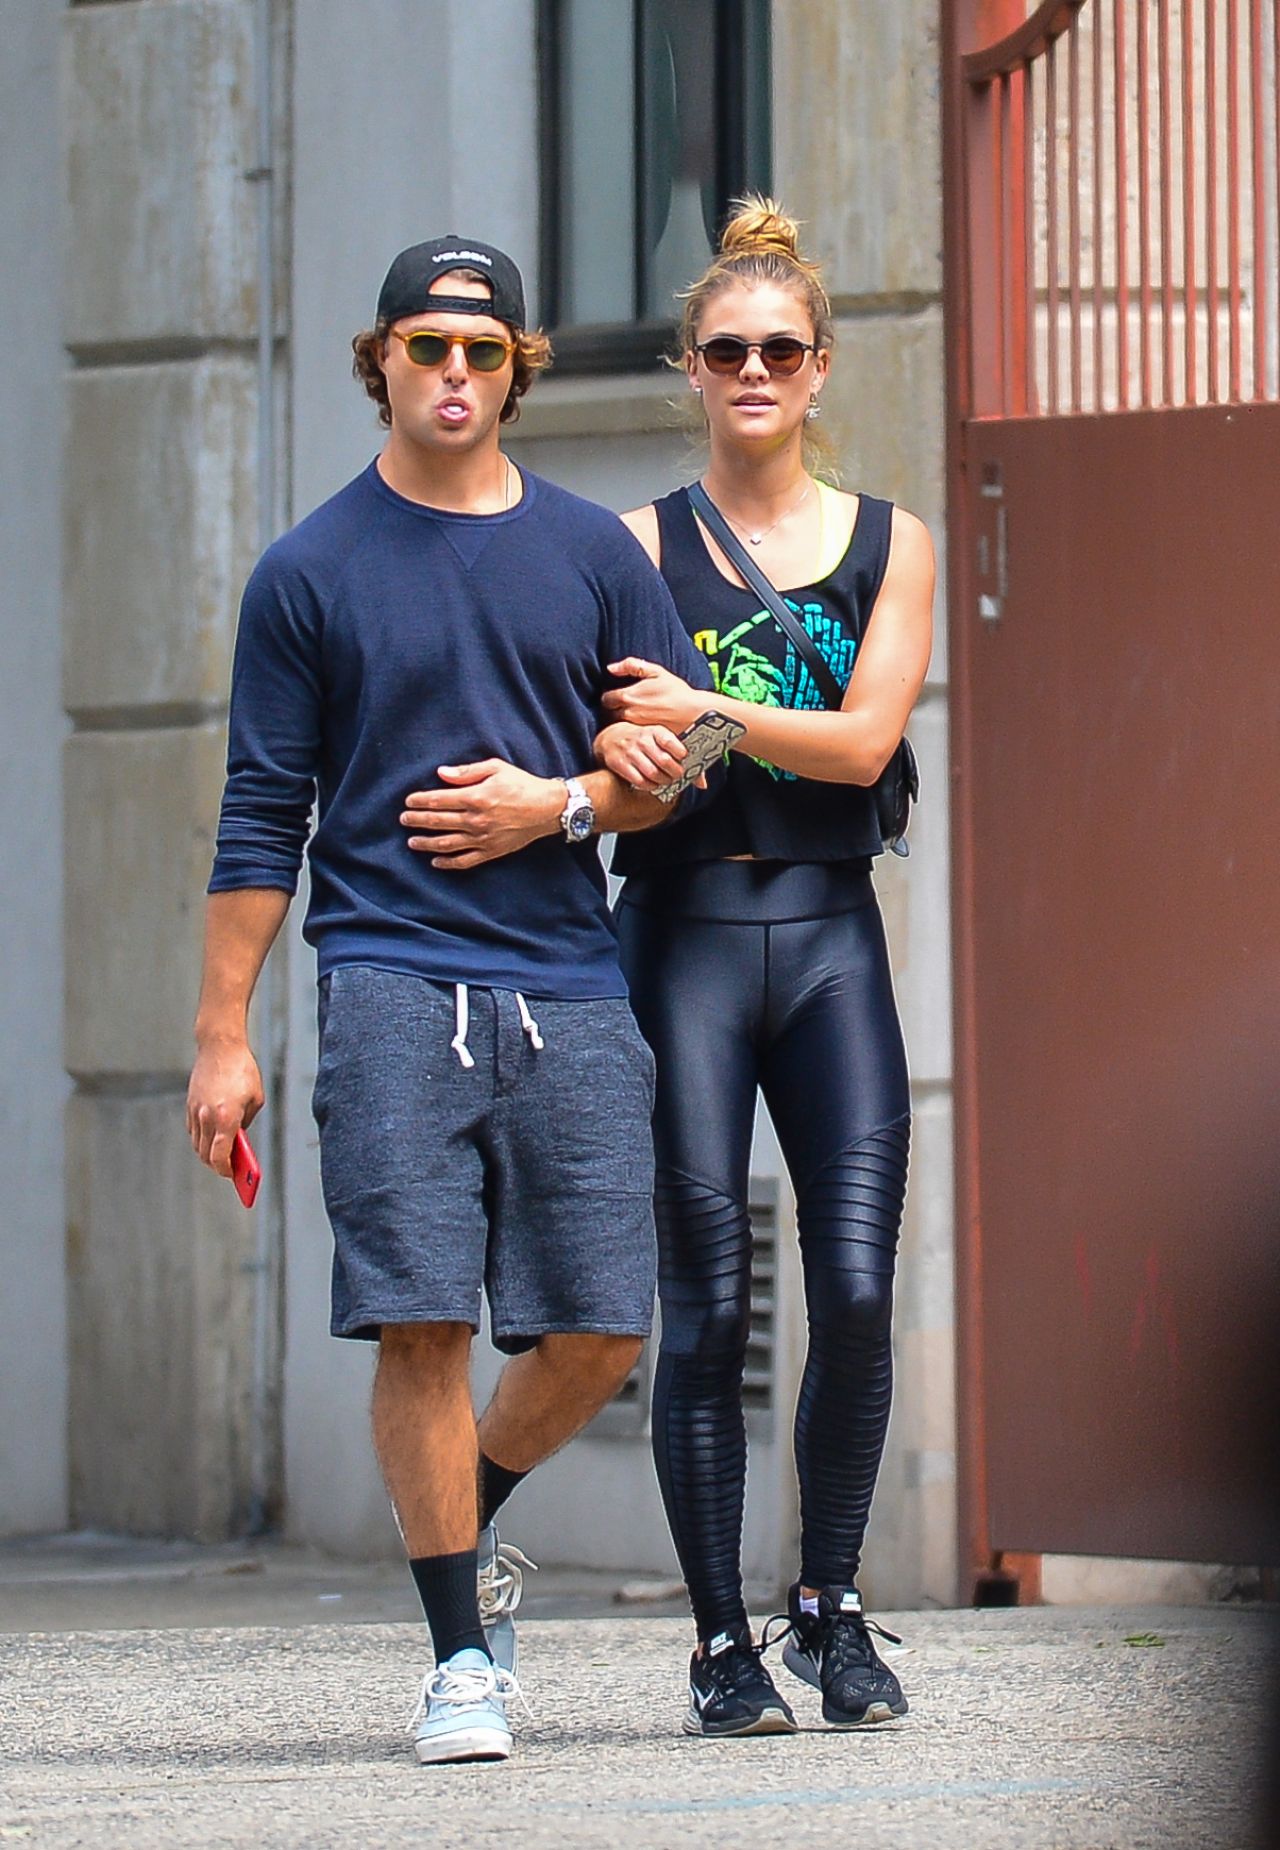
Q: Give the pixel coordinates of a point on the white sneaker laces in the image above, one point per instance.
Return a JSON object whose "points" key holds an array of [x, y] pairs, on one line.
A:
{"points": [[466, 1688], [500, 1583]]}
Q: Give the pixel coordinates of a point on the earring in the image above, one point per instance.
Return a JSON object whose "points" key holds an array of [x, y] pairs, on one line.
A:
{"points": [[698, 390], [815, 409]]}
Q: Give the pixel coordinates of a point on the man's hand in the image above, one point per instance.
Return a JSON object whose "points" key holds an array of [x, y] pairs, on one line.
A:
{"points": [[656, 697], [490, 809], [646, 757], [224, 1095]]}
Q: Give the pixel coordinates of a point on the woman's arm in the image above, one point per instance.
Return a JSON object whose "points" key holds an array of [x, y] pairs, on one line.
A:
{"points": [[640, 755], [851, 746]]}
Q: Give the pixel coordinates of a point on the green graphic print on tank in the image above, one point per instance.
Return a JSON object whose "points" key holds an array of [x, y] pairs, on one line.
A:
{"points": [[755, 662]]}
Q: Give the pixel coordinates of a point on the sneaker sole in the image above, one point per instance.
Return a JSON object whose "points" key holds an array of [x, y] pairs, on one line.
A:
{"points": [[769, 1721], [802, 1666], [876, 1713], [463, 1744]]}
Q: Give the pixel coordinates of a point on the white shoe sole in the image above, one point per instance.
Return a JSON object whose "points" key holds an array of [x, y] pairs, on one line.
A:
{"points": [[463, 1744]]}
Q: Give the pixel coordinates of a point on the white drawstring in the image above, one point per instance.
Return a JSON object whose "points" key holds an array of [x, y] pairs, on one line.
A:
{"points": [[462, 1009], [459, 1041], [528, 1024]]}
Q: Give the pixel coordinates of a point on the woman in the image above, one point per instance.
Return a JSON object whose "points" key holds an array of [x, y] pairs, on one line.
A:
{"points": [[755, 955]]}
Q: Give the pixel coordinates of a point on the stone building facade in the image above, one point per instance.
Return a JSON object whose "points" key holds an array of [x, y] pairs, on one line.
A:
{"points": [[235, 175]]}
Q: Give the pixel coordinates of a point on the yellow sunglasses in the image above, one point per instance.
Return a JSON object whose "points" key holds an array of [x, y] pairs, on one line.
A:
{"points": [[485, 353]]}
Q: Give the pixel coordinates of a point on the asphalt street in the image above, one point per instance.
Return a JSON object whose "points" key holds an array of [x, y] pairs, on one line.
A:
{"points": [[1031, 1729]]}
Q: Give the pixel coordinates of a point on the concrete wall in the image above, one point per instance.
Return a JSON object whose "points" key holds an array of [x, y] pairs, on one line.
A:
{"points": [[142, 431], [615, 441], [618, 441], [857, 156], [33, 1356], [359, 194], [161, 526], [159, 532]]}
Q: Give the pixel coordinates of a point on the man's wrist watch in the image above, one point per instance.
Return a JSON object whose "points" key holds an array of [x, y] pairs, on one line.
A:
{"points": [[578, 818]]}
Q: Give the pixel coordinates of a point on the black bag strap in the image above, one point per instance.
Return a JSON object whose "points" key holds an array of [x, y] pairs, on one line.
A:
{"points": [[785, 618]]}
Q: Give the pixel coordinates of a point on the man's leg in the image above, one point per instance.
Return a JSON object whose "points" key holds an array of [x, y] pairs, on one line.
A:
{"points": [[424, 1433], [542, 1399]]}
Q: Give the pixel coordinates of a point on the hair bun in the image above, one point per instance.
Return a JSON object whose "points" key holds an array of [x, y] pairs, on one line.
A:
{"points": [[758, 226]]}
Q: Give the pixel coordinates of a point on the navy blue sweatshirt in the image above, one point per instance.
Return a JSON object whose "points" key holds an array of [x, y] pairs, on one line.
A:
{"points": [[380, 639]]}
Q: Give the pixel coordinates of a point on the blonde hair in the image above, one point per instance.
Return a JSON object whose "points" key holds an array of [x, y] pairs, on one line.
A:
{"points": [[761, 244]]}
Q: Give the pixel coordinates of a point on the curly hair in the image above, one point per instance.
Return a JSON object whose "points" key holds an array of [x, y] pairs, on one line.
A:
{"points": [[532, 356]]}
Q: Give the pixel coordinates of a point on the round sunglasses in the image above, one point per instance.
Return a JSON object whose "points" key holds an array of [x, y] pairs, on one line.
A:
{"points": [[485, 353], [727, 353]]}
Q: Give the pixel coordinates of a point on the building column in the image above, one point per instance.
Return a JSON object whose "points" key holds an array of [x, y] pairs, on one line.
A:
{"points": [[33, 1468], [857, 157], [160, 530]]}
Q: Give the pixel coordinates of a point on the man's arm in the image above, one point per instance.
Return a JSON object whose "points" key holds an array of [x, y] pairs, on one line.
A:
{"points": [[493, 808], [225, 1092], [272, 751]]}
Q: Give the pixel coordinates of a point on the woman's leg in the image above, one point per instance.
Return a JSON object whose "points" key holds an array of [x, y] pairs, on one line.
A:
{"points": [[694, 986], [835, 1080]]}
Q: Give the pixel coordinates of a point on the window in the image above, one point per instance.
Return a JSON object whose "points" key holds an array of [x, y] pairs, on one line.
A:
{"points": [[654, 114]]}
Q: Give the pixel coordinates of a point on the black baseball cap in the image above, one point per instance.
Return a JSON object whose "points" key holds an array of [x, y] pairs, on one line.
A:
{"points": [[407, 289]]}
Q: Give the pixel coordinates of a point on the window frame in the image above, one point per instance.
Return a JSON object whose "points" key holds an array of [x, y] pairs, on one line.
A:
{"points": [[743, 160]]}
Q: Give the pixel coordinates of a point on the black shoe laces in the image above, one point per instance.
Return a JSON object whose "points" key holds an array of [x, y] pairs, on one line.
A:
{"points": [[843, 1638], [846, 1643], [729, 1670]]}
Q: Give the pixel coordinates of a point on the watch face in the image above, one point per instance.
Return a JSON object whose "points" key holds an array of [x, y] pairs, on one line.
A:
{"points": [[581, 823]]}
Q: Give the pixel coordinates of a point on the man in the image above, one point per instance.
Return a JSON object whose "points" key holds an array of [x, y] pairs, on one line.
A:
{"points": [[433, 642]]}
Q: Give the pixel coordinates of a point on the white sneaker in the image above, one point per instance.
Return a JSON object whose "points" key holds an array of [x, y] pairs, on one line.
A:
{"points": [[461, 1713], [499, 1590]]}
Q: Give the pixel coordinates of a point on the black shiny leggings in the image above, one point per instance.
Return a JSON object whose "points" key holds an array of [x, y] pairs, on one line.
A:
{"points": [[787, 989]]}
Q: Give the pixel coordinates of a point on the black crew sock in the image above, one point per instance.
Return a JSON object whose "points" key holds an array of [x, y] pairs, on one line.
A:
{"points": [[496, 1485], [447, 1588]]}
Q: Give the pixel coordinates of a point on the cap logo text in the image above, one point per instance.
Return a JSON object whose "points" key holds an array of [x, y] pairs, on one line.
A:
{"points": [[460, 256]]}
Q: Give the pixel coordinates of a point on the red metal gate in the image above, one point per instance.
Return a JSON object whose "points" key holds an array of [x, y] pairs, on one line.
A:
{"points": [[1114, 433]]}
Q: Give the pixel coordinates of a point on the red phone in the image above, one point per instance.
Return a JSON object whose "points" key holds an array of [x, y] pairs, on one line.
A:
{"points": [[246, 1171]]}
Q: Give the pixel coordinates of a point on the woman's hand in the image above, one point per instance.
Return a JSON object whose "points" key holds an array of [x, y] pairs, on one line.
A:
{"points": [[656, 697], [644, 756]]}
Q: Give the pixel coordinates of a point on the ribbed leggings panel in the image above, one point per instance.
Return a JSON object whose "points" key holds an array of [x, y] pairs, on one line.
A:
{"points": [[803, 1011]]}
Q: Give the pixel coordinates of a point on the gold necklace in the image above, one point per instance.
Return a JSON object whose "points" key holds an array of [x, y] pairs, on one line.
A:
{"points": [[763, 534]]}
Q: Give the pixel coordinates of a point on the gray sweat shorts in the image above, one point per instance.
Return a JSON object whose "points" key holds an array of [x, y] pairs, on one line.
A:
{"points": [[469, 1142]]}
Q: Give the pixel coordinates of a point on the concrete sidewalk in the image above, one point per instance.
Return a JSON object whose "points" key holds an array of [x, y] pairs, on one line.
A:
{"points": [[1043, 1728]]}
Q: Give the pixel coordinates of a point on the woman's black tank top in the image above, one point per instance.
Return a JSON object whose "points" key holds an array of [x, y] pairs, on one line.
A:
{"points": [[760, 810]]}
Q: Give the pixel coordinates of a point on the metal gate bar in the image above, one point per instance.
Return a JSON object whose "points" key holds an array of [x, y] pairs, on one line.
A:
{"points": [[1154, 286], [1184, 104]]}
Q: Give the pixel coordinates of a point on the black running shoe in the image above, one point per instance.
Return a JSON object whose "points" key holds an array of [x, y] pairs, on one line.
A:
{"points": [[832, 1650], [731, 1692]]}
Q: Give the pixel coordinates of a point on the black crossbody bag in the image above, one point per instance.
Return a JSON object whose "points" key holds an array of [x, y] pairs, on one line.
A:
{"points": [[898, 785]]}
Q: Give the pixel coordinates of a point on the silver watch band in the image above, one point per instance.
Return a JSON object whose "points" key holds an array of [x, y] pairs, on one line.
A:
{"points": [[578, 809]]}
